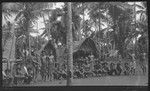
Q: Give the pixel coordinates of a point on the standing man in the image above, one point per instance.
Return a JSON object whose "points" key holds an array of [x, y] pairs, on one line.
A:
{"points": [[133, 64], [43, 66], [143, 63], [92, 61], [51, 66], [91, 57]]}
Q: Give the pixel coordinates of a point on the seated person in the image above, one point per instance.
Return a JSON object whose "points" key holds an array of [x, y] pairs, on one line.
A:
{"points": [[112, 70], [87, 71], [97, 69], [78, 73], [29, 76], [56, 74], [127, 69], [119, 68], [64, 74], [105, 68]]}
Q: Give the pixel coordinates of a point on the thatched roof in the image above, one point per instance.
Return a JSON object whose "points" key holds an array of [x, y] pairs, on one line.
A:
{"points": [[87, 45], [46, 45], [77, 44]]}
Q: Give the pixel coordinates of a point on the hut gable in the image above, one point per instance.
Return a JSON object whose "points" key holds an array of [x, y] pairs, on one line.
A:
{"points": [[47, 46], [86, 45], [77, 44]]}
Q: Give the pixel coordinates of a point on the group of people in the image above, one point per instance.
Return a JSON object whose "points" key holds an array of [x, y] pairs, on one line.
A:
{"points": [[90, 66], [47, 66], [83, 67], [50, 69]]}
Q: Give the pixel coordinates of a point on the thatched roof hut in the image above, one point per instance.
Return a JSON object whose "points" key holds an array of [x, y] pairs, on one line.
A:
{"points": [[80, 48], [85, 47]]}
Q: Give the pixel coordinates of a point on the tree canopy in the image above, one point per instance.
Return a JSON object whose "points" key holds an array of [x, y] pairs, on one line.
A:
{"points": [[111, 24]]}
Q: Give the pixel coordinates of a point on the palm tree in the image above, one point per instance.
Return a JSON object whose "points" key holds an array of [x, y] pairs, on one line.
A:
{"points": [[142, 25], [121, 16], [58, 27], [8, 30], [6, 33], [9, 37], [70, 46], [116, 10], [27, 15], [124, 23]]}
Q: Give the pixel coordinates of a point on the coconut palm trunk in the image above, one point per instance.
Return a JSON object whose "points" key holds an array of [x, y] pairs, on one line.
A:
{"points": [[69, 46], [79, 33], [12, 48], [99, 25], [28, 39], [134, 21], [27, 17], [83, 18], [29, 46], [44, 21]]}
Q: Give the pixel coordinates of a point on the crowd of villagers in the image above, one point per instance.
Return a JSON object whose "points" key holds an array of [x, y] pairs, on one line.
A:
{"points": [[87, 66], [83, 67]]}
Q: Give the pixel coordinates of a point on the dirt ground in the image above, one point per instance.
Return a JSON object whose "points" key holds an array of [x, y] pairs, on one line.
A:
{"points": [[101, 81]]}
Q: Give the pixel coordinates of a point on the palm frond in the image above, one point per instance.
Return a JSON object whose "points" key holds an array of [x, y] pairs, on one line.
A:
{"points": [[19, 15], [139, 6], [41, 6], [45, 31], [140, 12]]}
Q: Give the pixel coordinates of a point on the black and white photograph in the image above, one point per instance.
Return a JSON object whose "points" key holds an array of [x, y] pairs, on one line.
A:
{"points": [[74, 44]]}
